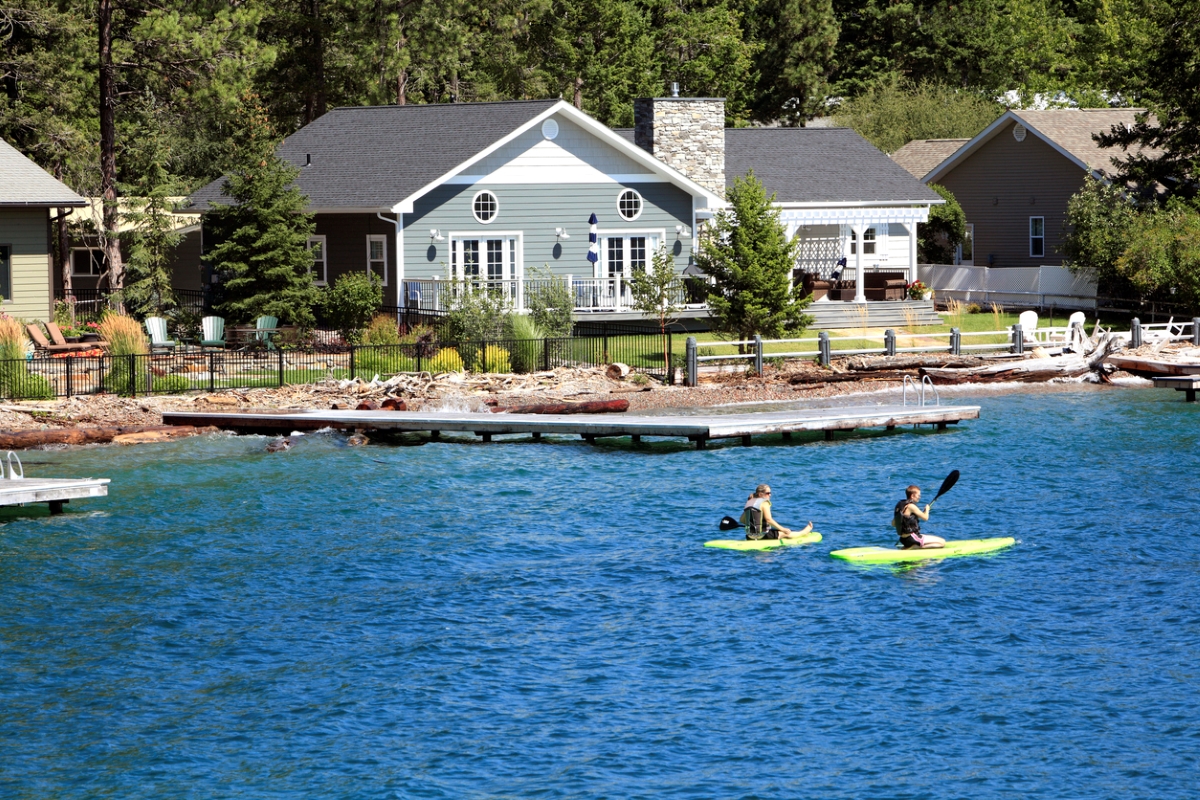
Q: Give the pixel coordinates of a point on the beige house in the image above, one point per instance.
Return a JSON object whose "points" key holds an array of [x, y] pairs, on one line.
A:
{"points": [[1014, 179], [27, 196]]}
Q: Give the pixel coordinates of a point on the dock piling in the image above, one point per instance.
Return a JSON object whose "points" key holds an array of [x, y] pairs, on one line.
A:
{"points": [[692, 363]]}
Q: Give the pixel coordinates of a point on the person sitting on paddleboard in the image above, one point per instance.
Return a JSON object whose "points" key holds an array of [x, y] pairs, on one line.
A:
{"points": [[756, 516], [907, 521]]}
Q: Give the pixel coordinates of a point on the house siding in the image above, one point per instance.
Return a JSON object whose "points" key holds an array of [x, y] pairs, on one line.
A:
{"points": [[346, 246], [27, 232], [1002, 185], [536, 210]]}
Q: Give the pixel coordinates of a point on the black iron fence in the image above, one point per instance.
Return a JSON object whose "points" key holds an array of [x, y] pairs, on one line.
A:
{"points": [[194, 369], [90, 304]]}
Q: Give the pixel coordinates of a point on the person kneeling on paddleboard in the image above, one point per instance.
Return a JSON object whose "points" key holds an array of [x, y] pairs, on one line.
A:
{"points": [[756, 516], [907, 521]]}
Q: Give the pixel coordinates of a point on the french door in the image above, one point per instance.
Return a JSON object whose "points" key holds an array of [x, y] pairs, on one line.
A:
{"points": [[494, 260]]}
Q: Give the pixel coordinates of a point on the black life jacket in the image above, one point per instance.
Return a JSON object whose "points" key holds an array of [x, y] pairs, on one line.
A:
{"points": [[752, 518], [906, 525]]}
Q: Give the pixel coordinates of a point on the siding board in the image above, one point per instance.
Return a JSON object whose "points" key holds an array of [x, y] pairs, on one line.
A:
{"points": [[28, 232]]}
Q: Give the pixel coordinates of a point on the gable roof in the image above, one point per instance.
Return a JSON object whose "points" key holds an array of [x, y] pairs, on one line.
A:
{"points": [[821, 166], [1067, 130], [381, 158], [818, 166], [25, 184], [921, 155]]}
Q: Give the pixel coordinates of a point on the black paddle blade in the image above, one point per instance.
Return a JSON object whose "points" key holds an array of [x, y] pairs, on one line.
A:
{"points": [[729, 523], [947, 484]]}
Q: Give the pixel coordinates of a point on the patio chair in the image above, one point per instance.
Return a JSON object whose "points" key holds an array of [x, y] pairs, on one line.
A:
{"points": [[264, 328], [56, 335], [157, 328], [41, 343], [212, 332], [1028, 320]]}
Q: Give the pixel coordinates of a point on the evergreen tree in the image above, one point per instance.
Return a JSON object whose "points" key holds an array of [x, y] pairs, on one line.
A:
{"points": [[658, 293], [749, 256], [797, 39], [152, 236], [261, 252], [938, 238], [891, 114]]}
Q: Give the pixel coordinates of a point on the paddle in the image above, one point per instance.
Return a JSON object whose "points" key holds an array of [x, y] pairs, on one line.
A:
{"points": [[947, 485], [729, 524]]}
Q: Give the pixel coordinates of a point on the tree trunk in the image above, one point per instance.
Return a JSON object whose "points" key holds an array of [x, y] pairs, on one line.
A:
{"points": [[402, 88], [579, 92], [108, 152], [587, 407], [64, 252], [315, 103]]}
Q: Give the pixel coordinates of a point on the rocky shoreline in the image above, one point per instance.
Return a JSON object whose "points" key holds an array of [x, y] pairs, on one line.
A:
{"points": [[92, 419]]}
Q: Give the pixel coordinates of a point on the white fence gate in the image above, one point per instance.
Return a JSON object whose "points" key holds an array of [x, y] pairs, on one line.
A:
{"points": [[1012, 286]]}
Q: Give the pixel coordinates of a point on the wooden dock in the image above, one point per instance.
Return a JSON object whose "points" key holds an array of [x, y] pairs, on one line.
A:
{"points": [[699, 429], [55, 491], [1180, 383]]}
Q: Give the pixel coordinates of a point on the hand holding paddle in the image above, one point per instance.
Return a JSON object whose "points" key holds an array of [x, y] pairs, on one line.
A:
{"points": [[947, 485]]}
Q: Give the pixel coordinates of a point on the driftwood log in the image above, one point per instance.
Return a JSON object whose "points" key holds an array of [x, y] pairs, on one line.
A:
{"points": [[913, 362], [586, 407], [18, 440]]}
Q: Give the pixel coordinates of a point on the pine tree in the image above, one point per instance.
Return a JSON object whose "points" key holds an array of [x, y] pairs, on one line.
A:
{"points": [[262, 251], [749, 256], [152, 236]]}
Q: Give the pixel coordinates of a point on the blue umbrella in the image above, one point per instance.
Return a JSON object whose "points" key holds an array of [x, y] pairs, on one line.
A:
{"points": [[594, 246]]}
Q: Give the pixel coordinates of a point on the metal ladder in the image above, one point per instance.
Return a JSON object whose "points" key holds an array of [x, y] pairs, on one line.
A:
{"points": [[919, 389]]}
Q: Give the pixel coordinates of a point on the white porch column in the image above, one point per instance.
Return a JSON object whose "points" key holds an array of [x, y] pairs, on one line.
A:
{"points": [[912, 251], [860, 295]]}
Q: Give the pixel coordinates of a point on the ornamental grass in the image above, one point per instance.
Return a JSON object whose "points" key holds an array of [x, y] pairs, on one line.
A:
{"points": [[12, 339], [124, 335]]}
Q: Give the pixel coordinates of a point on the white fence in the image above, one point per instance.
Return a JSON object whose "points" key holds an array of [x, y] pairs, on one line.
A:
{"points": [[1040, 287]]}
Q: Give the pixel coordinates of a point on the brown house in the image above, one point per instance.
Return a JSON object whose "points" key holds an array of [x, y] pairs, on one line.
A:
{"points": [[1014, 179]]}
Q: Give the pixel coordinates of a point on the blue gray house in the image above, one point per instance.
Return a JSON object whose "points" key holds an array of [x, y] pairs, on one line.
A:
{"points": [[503, 193]]}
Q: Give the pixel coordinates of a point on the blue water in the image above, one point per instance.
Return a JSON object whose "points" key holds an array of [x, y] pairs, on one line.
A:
{"points": [[541, 620]]}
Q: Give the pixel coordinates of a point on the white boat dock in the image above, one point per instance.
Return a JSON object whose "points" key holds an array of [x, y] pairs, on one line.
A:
{"points": [[699, 429], [55, 491], [1180, 383]]}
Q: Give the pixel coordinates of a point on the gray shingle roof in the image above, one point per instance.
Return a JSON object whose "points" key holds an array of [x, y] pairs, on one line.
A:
{"points": [[24, 183], [820, 165], [376, 156]]}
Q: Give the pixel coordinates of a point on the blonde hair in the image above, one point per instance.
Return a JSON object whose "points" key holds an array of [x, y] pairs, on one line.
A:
{"points": [[762, 489]]}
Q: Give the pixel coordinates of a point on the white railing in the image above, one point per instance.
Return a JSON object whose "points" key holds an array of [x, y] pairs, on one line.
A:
{"points": [[589, 295], [1031, 286]]}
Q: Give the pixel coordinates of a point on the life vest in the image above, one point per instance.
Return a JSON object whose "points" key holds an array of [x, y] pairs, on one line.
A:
{"points": [[752, 518], [906, 525]]}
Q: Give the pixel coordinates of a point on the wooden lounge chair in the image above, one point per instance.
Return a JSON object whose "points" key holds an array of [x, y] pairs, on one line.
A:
{"points": [[56, 335], [43, 344], [264, 328], [212, 332], [157, 328]]}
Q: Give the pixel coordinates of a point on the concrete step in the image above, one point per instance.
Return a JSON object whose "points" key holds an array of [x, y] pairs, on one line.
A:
{"points": [[879, 314]]}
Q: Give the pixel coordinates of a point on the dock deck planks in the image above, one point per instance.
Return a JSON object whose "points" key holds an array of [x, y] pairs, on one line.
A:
{"points": [[55, 491], [699, 428]]}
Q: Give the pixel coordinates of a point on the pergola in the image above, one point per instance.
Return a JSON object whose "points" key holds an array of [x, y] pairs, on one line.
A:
{"points": [[858, 218]]}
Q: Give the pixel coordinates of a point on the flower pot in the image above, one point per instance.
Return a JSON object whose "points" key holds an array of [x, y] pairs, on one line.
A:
{"points": [[926, 296], [89, 337]]}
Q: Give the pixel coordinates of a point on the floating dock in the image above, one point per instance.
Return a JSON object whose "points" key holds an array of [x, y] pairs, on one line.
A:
{"points": [[1180, 383], [699, 429], [55, 491]]}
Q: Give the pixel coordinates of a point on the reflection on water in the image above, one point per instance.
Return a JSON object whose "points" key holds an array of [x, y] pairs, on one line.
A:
{"points": [[513, 620]]}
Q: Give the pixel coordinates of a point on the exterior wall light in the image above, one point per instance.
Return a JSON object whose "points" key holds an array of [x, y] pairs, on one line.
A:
{"points": [[682, 230], [561, 233], [436, 235]]}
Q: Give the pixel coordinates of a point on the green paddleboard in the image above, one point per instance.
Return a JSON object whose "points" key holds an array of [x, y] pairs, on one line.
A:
{"points": [[763, 544], [889, 555]]}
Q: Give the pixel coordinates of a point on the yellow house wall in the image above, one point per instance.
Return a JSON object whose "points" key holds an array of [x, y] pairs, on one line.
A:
{"points": [[26, 231]]}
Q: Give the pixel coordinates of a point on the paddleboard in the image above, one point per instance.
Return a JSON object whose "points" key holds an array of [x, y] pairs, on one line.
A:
{"points": [[888, 555], [763, 544]]}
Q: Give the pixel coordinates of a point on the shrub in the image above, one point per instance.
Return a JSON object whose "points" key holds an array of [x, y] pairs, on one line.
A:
{"points": [[26, 386], [171, 384], [447, 360], [15, 380], [423, 339], [350, 302], [974, 308], [383, 360], [551, 306], [527, 347], [496, 359], [381, 330]]}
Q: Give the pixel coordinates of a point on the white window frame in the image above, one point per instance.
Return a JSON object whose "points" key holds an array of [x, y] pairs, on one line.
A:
{"points": [[641, 204], [1041, 238], [602, 237], [75, 250], [958, 251], [322, 241], [382, 239], [495, 199], [514, 257]]}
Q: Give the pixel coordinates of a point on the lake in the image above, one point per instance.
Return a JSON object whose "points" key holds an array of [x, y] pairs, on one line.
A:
{"points": [[523, 619]]}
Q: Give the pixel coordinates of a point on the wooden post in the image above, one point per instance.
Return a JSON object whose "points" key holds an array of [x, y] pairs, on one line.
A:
{"points": [[823, 347], [701, 441], [758, 358], [787, 436], [746, 440], [955, 341], [889, 342], [692, 363], [1135, 333], [56, 507], [487, 437], [829, 435], [1196, 331], [636, 438], [435, 435], [1018, 344], [537, 436]]}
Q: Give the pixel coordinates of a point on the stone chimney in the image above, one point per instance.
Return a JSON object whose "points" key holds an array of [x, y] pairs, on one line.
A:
{"points": [[687, 133]]}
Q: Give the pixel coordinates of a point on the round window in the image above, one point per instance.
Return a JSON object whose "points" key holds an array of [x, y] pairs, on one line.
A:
{"points": [[549, 129], [485, 207], [629, 205]]}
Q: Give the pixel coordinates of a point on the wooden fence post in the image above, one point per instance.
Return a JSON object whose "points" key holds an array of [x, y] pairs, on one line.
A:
{"points": [[692, 363]]}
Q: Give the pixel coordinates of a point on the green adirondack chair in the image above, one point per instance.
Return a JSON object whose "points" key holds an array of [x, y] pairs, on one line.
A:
{"points": [[212, 332], [264, 329], [157, 328]]}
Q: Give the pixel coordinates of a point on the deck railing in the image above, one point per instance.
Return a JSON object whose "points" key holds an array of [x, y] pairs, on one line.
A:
{"points": [[588, 295]]}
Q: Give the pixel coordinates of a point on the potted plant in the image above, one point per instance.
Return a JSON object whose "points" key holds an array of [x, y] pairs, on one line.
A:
{"points": [[90, 332], [919, 291]]}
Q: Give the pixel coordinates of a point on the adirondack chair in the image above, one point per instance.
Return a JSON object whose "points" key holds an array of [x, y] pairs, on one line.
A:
{"points": [[1028, 320], [212, 332], [264, 328], [157, 328]]}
